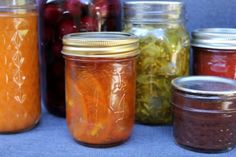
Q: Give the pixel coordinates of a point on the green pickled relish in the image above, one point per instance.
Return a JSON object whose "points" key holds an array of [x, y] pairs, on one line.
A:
{"points": [[164, 56]]}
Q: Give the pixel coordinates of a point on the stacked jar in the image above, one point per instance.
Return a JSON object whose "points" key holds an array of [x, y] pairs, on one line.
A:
{"points": [[61, 17], [164, 45]]}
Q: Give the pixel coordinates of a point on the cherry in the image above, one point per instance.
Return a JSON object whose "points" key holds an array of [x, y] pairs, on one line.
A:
{"points": [[67, 25], [101, 7], [88, 24], [52, 13], [74, 7]]}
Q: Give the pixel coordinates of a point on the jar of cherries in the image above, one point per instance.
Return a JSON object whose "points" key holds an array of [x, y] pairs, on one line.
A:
{"points": [[61, 17]]}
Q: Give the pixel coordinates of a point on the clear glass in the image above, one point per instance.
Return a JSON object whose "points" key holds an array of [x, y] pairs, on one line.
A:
{"points": [[100, 99], [164, 56], [214, 62], [61, 17], [204, 123], [19, 66]]}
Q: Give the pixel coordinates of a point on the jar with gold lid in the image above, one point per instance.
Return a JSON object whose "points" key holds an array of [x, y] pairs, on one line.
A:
{"points": [[100, 73]]}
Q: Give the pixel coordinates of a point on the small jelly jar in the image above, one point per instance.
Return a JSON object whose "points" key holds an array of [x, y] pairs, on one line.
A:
{"points": [[100, 73], [214, 51], [204, 111]]}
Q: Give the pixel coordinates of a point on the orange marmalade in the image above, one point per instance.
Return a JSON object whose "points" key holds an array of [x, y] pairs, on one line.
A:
{"points": [[19, 72], [100, 87]]}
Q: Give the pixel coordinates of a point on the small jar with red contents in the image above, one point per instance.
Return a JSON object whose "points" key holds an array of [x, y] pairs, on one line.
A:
{"points": [[214, 51], [61, 17]]}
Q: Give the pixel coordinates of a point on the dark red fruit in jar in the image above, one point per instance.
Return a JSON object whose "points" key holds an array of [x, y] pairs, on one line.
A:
{"points": [[111, 24], [52, 13], [47, 34], [88, 24], [74, 7], [57, 47], [67, 26], [101, 7], [115, 8]]}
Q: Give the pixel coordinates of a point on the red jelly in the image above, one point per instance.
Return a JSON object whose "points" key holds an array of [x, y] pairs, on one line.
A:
{"points": [[214, 52], [61, 17], [204, 112]]}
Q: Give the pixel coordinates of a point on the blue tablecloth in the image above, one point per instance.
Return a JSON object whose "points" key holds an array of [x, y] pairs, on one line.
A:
{"points": [[52, 139]]}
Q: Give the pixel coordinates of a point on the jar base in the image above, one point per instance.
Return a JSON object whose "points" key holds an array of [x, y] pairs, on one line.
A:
{"points": [[100, 145], [208, 151], [21, 130]]}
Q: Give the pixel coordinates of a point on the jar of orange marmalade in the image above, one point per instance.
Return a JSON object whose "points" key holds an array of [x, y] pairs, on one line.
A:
{"points": [[100, 78], [19, 66]]}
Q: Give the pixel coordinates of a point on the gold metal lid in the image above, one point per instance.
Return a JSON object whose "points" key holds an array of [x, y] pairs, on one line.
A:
{"points": [[101, 44]]}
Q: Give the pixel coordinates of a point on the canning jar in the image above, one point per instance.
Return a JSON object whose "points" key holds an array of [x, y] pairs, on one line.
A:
{"points": [[61, 17], [214, 51], [164, 46], [100, 77], [19, 66], [204, 109]]}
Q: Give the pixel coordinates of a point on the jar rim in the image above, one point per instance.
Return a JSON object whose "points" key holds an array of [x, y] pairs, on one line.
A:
{"points": [[214, 38], [100, 44], [205, 85], [153, 11]]}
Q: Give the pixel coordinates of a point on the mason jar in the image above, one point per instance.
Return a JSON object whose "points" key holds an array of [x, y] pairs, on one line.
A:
{"points": [[61, 17], [100, 74], [164, 45], [214, 52], [20, 104], [204, 109]]}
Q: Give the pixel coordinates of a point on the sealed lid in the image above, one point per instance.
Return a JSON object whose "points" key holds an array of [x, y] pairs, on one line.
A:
{"points": [[153, 11], [215, 38], [100, 44], [205, 85], [17, 4]]}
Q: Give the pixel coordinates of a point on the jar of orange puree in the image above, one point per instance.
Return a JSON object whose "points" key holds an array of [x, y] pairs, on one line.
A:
{"points": [[100, 86], [19, 66]]}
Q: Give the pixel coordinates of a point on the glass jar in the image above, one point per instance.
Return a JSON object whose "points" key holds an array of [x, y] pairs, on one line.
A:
{"points": [[214, 51], [19, 66], [100, 86], [204, 109], [164, 46], [61, 17]]}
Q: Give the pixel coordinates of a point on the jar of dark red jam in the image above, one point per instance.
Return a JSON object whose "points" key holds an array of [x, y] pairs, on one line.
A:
{"points": [[61, 17], [204, 111], [100, 74], [214, 51]]}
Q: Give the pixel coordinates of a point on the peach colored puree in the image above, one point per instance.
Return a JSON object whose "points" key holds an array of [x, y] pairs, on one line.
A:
{"points": [[19, 72]]}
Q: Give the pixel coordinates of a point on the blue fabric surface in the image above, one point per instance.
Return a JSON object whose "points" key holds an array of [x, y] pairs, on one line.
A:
{"points": [[52, 139]]}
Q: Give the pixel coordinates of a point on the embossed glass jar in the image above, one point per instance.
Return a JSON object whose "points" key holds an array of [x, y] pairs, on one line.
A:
{"points": [[100, 86], [204, 109], [19, 66]]}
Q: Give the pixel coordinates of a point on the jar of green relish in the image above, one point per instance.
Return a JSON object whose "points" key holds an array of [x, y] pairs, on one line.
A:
{"points": [[164, 46]]}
